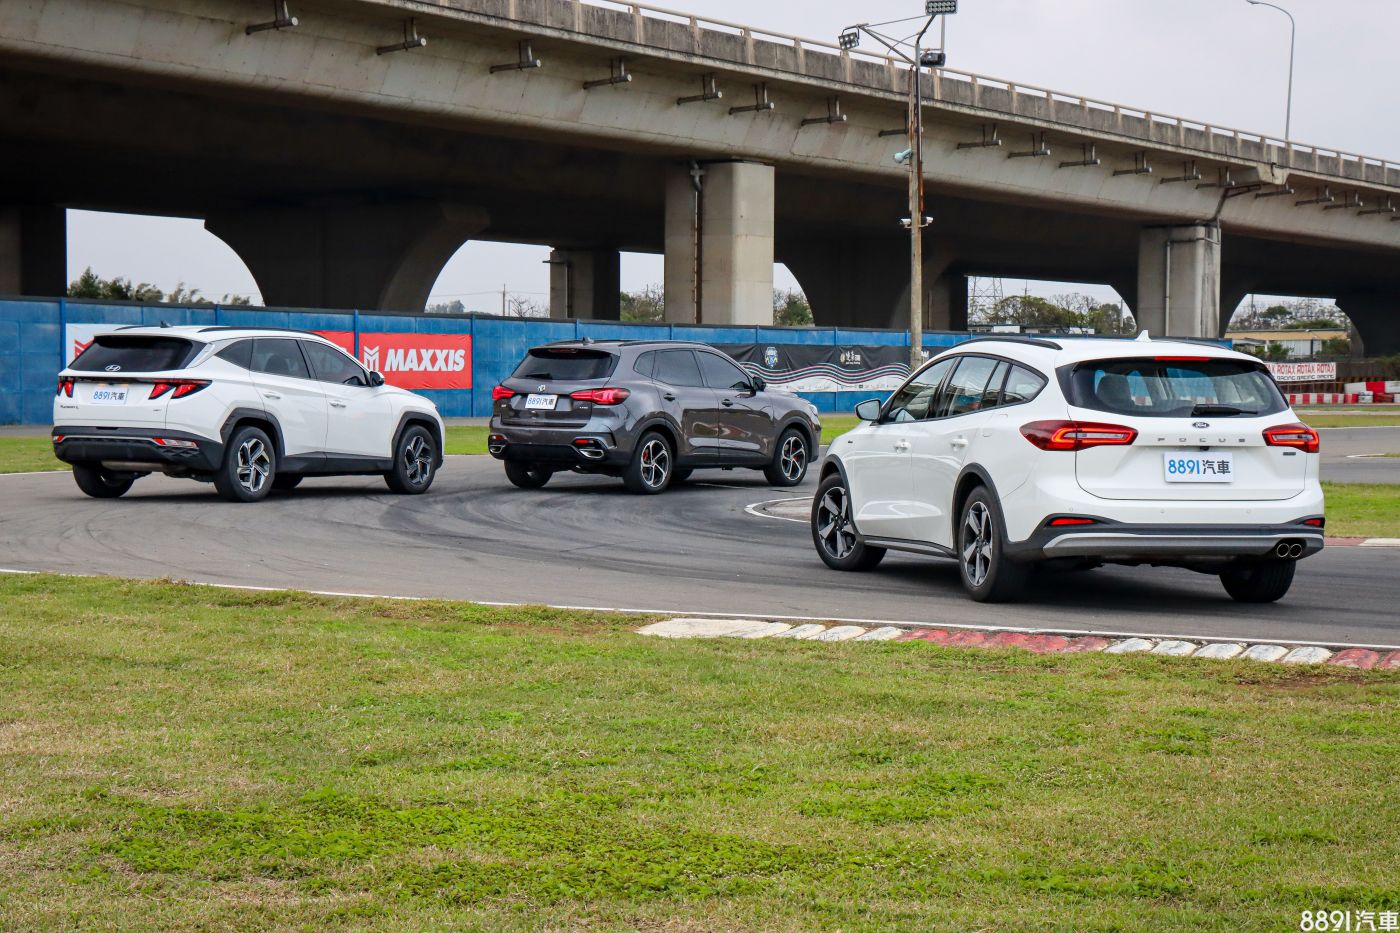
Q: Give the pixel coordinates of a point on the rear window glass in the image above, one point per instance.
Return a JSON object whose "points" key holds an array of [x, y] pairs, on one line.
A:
{"points": [[122, 354], [566, 365], [1175, 388]]}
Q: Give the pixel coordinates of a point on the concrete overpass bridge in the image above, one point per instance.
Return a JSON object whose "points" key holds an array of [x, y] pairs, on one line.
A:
{"points": [[345, 161]]}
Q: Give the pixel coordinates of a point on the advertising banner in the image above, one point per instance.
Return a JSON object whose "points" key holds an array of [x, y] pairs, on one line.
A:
{"points": [[76, 338], [413, 361], [809, 368], [1303, 372]]}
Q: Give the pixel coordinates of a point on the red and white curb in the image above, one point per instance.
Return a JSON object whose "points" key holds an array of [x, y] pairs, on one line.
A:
{"points": [[1359, 658]]}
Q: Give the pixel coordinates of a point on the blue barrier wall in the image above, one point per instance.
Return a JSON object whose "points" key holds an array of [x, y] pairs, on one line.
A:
{"points": [[32, 351]]}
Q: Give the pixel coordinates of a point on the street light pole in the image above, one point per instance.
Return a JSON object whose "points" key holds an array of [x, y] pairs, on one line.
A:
{"points": [[849, 39], [1292, 55]]}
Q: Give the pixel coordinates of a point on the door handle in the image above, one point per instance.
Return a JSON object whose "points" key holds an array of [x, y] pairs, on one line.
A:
{"points": [[902, 447], [337, 404], [727, 403], [669, 397], [959, 442], [272, 395]]}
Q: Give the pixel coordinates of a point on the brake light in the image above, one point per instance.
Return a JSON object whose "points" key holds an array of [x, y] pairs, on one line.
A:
{"points": [[1077, 435], [602, 396], [177, 388], [1315, 522], [65, 387], [1298, 436], [501, 393]]}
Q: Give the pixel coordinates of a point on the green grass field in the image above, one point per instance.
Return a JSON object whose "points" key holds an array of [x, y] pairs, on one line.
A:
{"points": [[1359, 510], [1386, 420], [184, 757]]}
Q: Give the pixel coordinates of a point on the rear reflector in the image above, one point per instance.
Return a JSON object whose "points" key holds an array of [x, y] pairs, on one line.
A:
{"points": [[174, 442], [1316, 522], [602, 396], [1298, 436], [58, 438], [500, 393], [1066, 522], [1077, 435], [178, 388]]}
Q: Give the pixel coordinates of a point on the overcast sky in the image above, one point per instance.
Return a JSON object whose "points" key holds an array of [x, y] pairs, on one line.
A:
{"points": [[1219, 61]]}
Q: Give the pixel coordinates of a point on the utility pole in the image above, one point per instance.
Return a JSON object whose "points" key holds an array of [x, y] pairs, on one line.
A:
{"points": [[914, 156]]}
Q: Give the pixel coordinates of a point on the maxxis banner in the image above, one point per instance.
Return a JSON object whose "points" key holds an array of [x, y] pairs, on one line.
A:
{"points": [[413, 361]]}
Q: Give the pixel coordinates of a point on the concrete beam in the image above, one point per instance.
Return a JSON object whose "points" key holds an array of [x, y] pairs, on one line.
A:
{"points": [[585, 285], [1178, 292], [382, 256], [33, 251]]}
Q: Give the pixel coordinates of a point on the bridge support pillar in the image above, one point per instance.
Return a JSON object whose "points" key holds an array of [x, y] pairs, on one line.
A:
{"points": [[585, 284], [719, 244], [33, 251], [865, 283], [947, 303], [1178, 293], [376, 257], [1377, 320]]}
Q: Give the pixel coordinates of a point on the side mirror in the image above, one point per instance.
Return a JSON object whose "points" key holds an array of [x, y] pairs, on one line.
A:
{"points": [[869, 410], [759, 384], [376, 380]]}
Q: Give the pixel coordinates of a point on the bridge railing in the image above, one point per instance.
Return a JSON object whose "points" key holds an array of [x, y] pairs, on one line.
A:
{"points": [[678, 31]]}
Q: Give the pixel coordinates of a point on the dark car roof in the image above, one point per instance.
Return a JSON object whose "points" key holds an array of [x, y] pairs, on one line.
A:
{"points": [[626, 345]]}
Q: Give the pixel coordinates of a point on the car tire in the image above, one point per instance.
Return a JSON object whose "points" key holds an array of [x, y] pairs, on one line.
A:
{"points": [[1263, 582], [286, 482], [102, 484], [249, 470], [988, 575], [415, 462], [790, 460], [653, 466], [528, 475], [834, 532]]}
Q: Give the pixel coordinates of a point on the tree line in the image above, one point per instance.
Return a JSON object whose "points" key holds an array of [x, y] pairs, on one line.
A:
{"points": [[91, 285]]}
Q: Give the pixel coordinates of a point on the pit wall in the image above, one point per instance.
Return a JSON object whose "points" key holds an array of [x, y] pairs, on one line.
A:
{"points": [[33, 338]]}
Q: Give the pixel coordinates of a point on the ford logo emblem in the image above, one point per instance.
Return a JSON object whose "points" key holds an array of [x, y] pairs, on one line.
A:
{"points": [[1201, 425], [114, 368]]}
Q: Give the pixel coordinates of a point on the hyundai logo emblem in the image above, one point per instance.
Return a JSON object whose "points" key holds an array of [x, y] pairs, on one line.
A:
{"points": [[1201, 425], [543, 388], [114, 368]]}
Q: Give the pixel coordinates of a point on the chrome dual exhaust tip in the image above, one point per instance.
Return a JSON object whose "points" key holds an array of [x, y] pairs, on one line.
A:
{"points": [[1289, 550]]}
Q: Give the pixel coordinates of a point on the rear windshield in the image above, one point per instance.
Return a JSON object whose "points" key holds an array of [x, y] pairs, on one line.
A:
{"points": [[121, 354], [1175, 388], [566, 365]]}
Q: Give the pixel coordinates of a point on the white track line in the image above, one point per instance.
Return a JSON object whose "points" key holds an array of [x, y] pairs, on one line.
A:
{"points": [[755, 509], [691, 614], [39, 473]]}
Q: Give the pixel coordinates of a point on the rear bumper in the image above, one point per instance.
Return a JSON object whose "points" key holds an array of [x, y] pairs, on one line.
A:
{"points": [[1108, 540], [85, 444], [564, 448]]}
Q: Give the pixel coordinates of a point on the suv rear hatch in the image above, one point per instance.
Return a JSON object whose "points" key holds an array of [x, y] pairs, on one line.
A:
{"points": [[1200, 424], [546, 380], [114, 380]]}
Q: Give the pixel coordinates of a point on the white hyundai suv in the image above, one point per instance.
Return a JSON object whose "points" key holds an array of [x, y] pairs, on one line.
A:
{"points": [[1005, 453], [251, 410]]}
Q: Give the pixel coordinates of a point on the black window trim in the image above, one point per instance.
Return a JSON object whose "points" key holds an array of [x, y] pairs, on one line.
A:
{"points": [[315, 376], [724, 358], [941, 358], [1001, 395], [310, 373]]}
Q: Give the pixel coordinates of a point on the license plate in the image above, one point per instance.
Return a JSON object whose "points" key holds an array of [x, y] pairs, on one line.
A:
{"points": [[109, 394], [1199, 468], [542, 403]]}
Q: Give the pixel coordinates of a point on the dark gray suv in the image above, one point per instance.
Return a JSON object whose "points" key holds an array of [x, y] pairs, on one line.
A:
{"points": [[649, 412]]}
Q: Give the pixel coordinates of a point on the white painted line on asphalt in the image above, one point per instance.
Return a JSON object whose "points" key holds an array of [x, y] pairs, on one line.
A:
{"points": [[757, 510], [616, 610], [1381, 542], [54, 472]]}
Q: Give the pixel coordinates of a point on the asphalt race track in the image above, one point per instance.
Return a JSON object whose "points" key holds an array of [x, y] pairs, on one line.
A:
{"points": [[585, 542]]}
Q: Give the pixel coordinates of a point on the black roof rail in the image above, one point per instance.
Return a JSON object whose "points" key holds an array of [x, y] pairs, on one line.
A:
{"points": [[224, 328], [1014, 338]]}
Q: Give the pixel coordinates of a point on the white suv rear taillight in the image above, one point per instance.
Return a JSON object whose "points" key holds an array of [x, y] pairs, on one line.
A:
{"points": [[1077, 435]]}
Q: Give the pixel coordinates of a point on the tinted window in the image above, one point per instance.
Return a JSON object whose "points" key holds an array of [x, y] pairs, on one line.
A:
{"points": [[1022, 386], [566, 365], [967, 390], [646, 364], [916, 400], [1165, 388], [279, 356], [678, 368], [330, 365], [134, 354], [720, 373], [239, 354]]}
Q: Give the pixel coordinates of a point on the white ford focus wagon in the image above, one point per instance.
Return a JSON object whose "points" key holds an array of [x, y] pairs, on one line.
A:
{"points": [[251, 410], [1006, 453]]}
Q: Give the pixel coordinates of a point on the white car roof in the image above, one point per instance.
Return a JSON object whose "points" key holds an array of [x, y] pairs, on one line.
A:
{"points": [[1053, 352], [209, 333]]}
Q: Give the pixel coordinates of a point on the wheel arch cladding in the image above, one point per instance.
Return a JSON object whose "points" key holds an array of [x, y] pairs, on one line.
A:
{"points": [[971, 478], [663, 427], [832, 467], [805, 429], [418, 419], [264, 421]]}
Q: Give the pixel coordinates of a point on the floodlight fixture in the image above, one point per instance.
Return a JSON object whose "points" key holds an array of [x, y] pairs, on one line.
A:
{"points": [[933, 58], [850, 39], [941, 7]]}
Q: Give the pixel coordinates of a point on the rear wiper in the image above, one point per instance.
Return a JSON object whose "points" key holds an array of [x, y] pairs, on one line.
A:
{"points": [[1222, 411]]}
